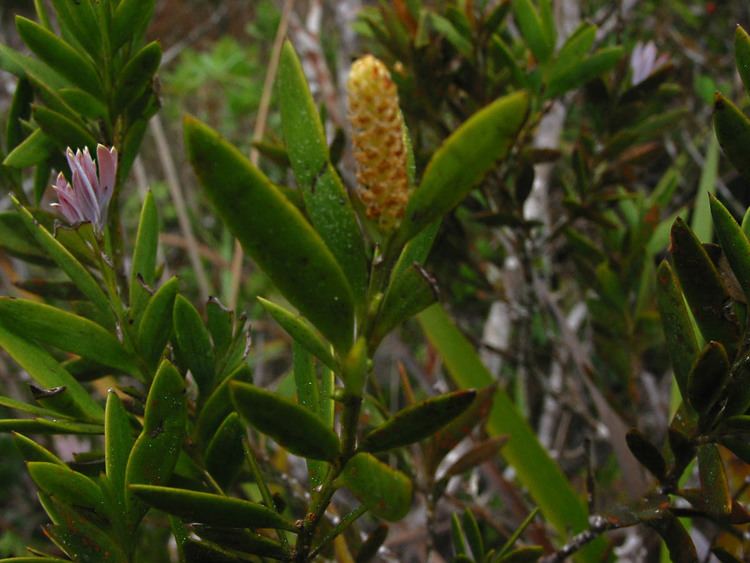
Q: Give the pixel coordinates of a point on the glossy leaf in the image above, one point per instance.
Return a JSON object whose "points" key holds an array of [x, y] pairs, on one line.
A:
{"points": [[714, 484], [676, 538], [27, 408], [742, 55], [63, 330], [137, 75], [734, 243], [88, 542], [385, 491], [156, 450], [48, 373], [215, 510], [59, 55], [156, 322], [418, 421], [193, 343], [239, 543], [326, 201], [75, 19], [67, 262], [682, 342], [219, 405], [32, 451], [301, 331], [536, 471], [144, 258], [220, 323], [225, 454], [292, 426], [462, 160], [733, 130], [33, 149], [67, 486], [708, 377], [44, 426], [703, 288], [65, 131], [305, 378], [130, 20], [84, 103], [118, 443], [647, 454], [533, 30], [280, 239]]}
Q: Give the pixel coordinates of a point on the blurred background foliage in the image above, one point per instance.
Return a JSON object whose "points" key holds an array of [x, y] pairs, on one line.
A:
{"points": [[548, 267]]}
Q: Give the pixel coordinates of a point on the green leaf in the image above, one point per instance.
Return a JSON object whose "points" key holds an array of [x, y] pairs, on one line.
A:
{"points": [[44, 426], [387, 493], [79, 21], [279, 239], [77, 273], [118, 443], [155, 452], [734, 243], [220, 323], [462, 160], [59, 55], [225, 453], [34, 149], [534, 31], [87, 542], [137, 75], [32, 451], [682, 342], [708, 377], [68, 486], [410, 293], [676, 538], [27, 408], [535, 469], [63, 130], [446, 28], [212, 509], [218, 405], [417, 422], [292, 426], [326, 200], [130, 20], [565, 78], [15, 240], [714, 485], [301, 331], [144, 258], [733, 130], [84, 103], [20, 109], [647, 454], [576, 46], [742, 55], [22, 65], [703, 209], [703, 288], [156, 323], [48, 373], [65, 331], [193, 343], [305, 379], [231, 545]]}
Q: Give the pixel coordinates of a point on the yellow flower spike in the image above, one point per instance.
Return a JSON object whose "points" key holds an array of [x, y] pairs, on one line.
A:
{"points": [[378, 134]]}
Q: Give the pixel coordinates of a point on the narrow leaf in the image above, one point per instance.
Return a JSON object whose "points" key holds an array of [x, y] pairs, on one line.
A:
{"points": [[225, 453], [734, 243], [533, 30], [714, 484], [68, 486], [193, 343], [156, 323], [708, 377], [733, 130], [144, 257], [385, 491]]}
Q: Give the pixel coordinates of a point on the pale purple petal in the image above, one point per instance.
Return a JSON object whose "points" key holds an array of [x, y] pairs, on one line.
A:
{"points": [[107, 161], [67, 201], [86, 199]]}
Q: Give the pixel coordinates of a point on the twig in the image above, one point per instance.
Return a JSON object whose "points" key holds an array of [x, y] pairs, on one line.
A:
{"points": [[260, 127], [170, 171]]}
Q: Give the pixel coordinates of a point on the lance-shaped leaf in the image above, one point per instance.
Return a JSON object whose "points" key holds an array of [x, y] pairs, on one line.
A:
{"points": [[234, 543], [418, 421], [708, 377], [130, 20], [44, 426], [225, 453], [83, 103], [48, 373], [63, 330], [564, 78], [704, 290], [79, 536], [32, 451], [462, 160], [301, 331], [33, 149], [733, 131], [193, 343], [77, 19], [326, 201], [715, 488], [646, 453], [143, 267], [156, 450], [212, 509], [15, 240], [682, 342], [218, 405], [742, 55], [137, 75], [78, 274], [156, 322], [65, 131], [68, 486], [278, 237], [534, 31], [676, 538], [410, 293], [220, 323], [734, 243], [384, 491], [59, 55], [294, 427], [118, 443], [20, 109]]}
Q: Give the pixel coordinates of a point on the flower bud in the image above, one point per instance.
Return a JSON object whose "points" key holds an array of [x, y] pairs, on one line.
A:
{"points": [[378, 134]]}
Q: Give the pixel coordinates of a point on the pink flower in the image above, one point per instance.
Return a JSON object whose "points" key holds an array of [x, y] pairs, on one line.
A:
{"points": [[644, 60], [88, 197]]}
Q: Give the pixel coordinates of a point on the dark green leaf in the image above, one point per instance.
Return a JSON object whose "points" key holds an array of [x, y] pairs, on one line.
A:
{"points": [[67, 486], [292, 426], [130, 20], [78, 20], [714, 485], [118, 443], [32, 451], [565, 78], [676, 538], [225, 453], [33, 149], [63, 130], [44, 426], [279, 239], [219, 405], [211, 509], [734, 243], [418, 421], [647, 454], [733, 130], [385, 491], [144, 258], [156, 323], [742, 55], [20, 109], [83, 103], [137, 75], [707, 377], [88, 542], [220, 323], [533, 30], [193, 343]]}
